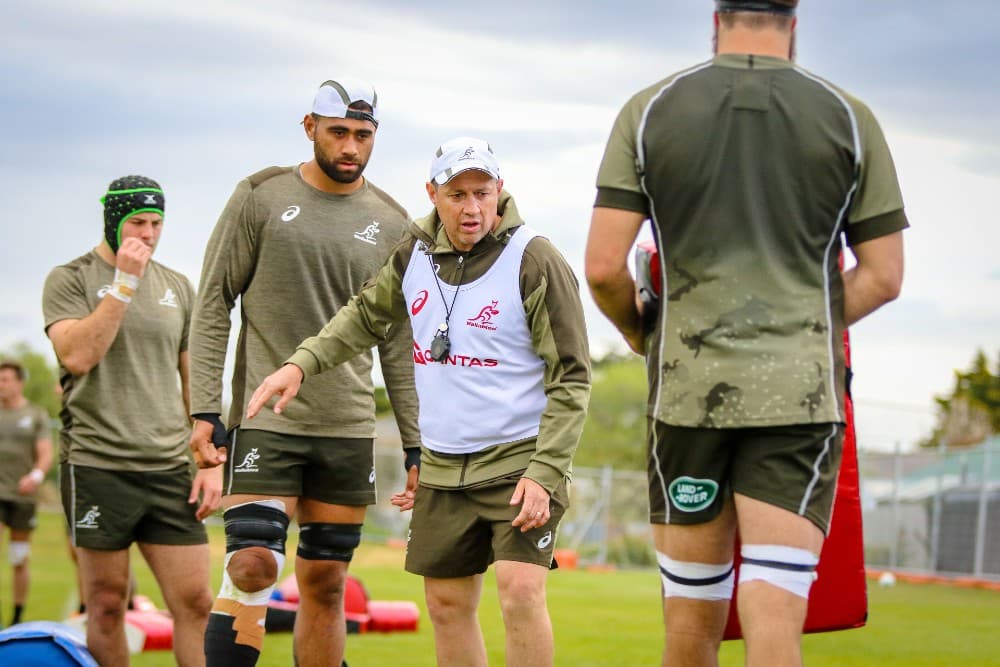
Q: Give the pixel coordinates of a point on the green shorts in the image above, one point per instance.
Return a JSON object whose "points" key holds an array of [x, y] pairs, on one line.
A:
{"points": [[460, 532], [338, 471], [692, 471], [18, 515], [110, 509]]}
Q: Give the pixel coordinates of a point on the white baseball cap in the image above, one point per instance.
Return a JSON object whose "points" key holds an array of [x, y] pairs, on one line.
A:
{"points": [[462, 154], [334, 97]]}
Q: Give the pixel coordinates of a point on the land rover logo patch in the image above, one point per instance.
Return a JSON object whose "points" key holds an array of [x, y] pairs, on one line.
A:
{"points": [[690, 495]]}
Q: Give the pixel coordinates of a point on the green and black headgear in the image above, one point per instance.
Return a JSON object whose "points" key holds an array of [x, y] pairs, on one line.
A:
{"points": [[128, 196]]}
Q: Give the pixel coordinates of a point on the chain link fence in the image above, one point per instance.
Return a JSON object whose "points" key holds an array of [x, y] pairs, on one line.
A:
{"points": [[933, 511]]}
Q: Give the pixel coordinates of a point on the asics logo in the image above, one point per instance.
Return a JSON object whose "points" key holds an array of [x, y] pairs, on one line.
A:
{"points": [[419, 303], [290, 214], [545, 541]]}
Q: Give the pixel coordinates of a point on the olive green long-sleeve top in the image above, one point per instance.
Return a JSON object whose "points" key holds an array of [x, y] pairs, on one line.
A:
{"points": [[292, 256], [554, 315]]}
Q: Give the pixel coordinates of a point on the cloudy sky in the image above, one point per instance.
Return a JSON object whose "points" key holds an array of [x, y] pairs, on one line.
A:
{"points": [[201, 94]]}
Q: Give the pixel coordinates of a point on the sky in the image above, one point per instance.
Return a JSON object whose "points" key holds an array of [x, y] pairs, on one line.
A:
{"points": [[201, 94]]}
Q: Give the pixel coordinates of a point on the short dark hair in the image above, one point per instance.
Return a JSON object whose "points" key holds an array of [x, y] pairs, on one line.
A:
{"points": [[10, 364], [755, 21]]}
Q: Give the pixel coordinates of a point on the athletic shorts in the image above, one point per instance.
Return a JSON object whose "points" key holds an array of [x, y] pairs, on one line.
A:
{"points": [[692, 471], [18, 515], [460, 532], [108, 510], [338, 471]]}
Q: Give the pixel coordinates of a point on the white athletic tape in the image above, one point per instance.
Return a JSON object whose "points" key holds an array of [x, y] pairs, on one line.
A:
{"points": [[18, 553], [697, 581], [229, 591], [789, 568]]}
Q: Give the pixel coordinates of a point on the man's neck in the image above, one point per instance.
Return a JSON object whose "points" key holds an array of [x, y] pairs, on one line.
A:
{"points": [[316, 177], [756, 42], [13, 403], [103, 251]]}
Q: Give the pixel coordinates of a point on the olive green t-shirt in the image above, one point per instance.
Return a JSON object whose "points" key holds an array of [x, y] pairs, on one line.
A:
{"points": [[20, 429], [750, 168], [292, 256], [127, 413]]}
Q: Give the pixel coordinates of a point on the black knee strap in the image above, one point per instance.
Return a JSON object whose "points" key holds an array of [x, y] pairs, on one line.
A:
{"points": [[255, 525], [329, 541]]}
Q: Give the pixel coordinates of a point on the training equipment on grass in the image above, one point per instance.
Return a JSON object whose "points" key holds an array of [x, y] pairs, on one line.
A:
{"points": [[43, 643], [146, 627], [362, 614]]}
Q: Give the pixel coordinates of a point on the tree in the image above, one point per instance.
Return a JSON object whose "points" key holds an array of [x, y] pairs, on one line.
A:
{"points": [[972, 412], [615, 431], [41, 384]]}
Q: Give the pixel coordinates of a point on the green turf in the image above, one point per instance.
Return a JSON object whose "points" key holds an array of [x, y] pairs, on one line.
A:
{"points": [[607, 618]]}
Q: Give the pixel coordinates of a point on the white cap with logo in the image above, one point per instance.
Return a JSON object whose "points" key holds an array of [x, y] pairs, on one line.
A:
{"points": [[334, 98], [462, 154]]}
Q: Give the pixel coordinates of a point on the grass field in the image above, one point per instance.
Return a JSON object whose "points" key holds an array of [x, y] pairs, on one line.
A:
{"points": [[600, 619]]}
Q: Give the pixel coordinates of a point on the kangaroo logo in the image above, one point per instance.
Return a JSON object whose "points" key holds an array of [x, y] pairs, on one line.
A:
{"points": [[249, 463], [368, 234], [484, 320], [469, 153], [89, 519], [169, 299]]}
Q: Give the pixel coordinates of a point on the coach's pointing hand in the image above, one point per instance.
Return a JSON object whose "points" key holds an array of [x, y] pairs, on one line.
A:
{"points": [[284, 381]]}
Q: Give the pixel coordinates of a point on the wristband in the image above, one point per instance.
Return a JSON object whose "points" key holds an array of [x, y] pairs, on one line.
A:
{"points": [[36, 475], [220, 436], [411, 457], [124, 285]]}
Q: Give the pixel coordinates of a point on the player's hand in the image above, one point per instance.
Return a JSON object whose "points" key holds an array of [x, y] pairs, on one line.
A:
{"points": [[132, 257], [404, 499], [208, 485], [285, 381], [27, 485], [534, 502], [206, 454], [636, 338]]}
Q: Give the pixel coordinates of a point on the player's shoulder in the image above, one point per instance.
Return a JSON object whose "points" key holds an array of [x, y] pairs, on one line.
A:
{"points": [[172, 275], [74, 268], [386, 200], [837, 92], [261, 177]]}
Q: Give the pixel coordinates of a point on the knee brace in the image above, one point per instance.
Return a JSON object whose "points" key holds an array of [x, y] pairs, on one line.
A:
{"points": [[329, 541], [257, 524], [262, 523], [18, 553], [785, 567], [698, 581]]}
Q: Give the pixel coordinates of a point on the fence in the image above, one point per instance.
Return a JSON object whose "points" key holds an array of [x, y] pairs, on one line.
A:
{"points": [[931, 511]]}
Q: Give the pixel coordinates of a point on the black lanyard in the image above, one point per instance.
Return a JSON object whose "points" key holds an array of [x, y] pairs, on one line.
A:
{"points": [[441, 344]]}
